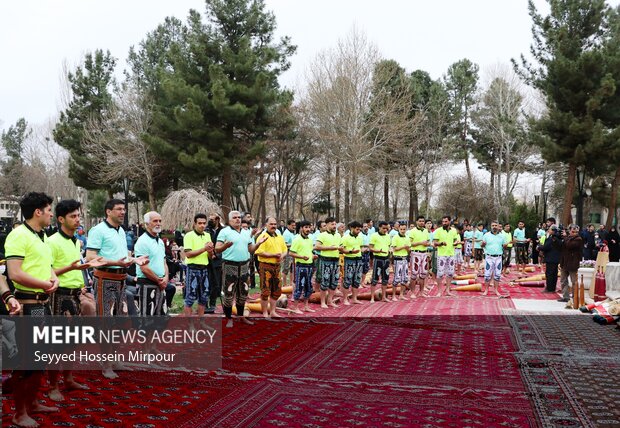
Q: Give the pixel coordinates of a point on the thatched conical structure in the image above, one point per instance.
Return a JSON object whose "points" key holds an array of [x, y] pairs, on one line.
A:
{"points": [[181, 206]]}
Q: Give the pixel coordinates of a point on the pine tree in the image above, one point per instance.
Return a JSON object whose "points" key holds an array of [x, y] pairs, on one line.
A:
{"points": [[90, 97], [217, 95], [569, 71]]}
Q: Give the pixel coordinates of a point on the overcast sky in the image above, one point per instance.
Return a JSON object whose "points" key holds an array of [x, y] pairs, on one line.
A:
{"points": [[36, 37]]}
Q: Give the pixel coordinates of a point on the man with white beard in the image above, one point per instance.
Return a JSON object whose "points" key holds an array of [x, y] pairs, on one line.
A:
{"points": [[153, 275]]}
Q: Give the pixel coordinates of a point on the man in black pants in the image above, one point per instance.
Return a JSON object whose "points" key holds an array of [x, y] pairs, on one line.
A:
{"points": [[215, 267], [552, 251]]}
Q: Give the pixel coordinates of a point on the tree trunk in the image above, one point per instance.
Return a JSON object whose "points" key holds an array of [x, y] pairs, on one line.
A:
{"points": [[386, 196], [337, 193], [470, 180], [395, 206], [427, 192], [347, 197], [226, 190], [354, 199], [568, 195], [613, 199], [413, 198], [152, 199]]}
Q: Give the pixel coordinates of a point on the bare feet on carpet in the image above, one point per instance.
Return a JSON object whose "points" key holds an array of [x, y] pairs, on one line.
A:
{"points": [[40, 408], [24, 421], [72, 385], [55, 395], [109, 373], [324, 306], [245, 321]]}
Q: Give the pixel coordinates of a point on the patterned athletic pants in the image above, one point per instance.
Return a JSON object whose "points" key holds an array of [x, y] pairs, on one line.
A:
{"points": [[365, 262], [236, 284], [65, 304], [110, 296], [468, 248], [353, 268], [380, 271], [152, 299], [303, 281], [197, 288], [330, 274], [521, 254], [401, 272], [445, 266], [507, 253], [492, 268], [419, 265], [269, 274]]}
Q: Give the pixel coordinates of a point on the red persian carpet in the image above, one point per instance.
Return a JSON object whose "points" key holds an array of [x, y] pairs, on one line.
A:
{"points": [[402, 371]]}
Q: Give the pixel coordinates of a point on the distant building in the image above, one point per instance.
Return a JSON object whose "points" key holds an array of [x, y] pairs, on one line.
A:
{"points": [[9, 211]]}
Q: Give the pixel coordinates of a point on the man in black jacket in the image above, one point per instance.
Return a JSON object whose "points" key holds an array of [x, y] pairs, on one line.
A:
{"points": [[572, 245], [552, 251]]}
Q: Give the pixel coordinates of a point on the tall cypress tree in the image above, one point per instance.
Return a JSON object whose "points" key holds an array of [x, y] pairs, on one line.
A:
{"points": [[570, 73]]}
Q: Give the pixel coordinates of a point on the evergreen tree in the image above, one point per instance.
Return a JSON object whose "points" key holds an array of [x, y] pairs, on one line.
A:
{"points": [[13, 141], [90, 97], [570, 72], [609, 112], [461, 83], [216, 96]]}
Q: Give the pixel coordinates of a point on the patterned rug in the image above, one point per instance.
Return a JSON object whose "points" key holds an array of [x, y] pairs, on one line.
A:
{"points": [[402, 371], [569, 365]]}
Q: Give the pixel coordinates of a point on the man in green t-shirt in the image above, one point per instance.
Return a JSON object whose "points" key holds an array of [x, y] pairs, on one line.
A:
{"points": [[301, 252], [445, 238], [328, 243], [29, 265], [70, 298], [351, 248], [198, 248], [400, 246], [420, 240], [380, 248]]}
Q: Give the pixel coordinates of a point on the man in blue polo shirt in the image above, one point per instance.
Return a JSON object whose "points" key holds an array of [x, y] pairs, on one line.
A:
{"points": [[493, 243], [521, 246], [235, 246], [107, 242], [153, 275]]}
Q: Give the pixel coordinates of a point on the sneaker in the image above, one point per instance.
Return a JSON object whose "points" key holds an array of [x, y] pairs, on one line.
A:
{"points": [[563, 300]]}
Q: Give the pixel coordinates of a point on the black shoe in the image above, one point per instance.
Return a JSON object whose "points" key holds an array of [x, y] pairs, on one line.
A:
{"points": [[563, 300], [547, 291], [209, 310]]}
